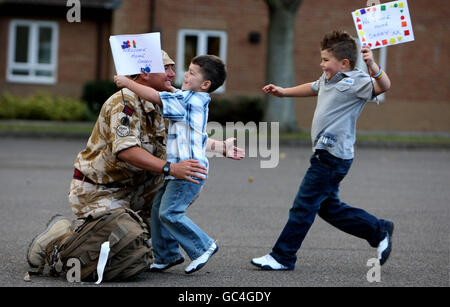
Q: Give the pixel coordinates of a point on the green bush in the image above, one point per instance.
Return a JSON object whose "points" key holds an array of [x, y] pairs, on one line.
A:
{"points": [[10, 106], [95, 93], [43, 106], [236, 109]]}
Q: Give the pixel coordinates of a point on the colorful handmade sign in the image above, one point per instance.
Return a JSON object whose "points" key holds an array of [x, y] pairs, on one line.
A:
{"points": [[384, 24], [137, 53]]}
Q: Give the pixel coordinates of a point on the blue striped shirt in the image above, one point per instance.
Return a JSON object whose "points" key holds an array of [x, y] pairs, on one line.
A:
{"points": [[187, 112]]}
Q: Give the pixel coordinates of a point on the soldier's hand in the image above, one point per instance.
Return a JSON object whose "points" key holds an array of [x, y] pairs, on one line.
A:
{"points": [[187, 168]]}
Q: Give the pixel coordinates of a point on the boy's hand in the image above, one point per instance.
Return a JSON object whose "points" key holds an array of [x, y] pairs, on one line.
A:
{"points": [[368, 56], [233, 152], [274, 90], [121, 81]]}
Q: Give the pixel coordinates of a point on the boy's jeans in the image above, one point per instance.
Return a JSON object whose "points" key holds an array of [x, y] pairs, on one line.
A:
{"points": [[170, 226], [318, 193]]}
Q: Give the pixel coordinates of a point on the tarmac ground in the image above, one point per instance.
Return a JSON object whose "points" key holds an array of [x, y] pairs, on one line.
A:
{"points": [[244, 207]]}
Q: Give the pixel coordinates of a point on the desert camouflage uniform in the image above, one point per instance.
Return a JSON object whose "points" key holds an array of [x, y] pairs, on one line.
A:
{"points": [[119, 126]]}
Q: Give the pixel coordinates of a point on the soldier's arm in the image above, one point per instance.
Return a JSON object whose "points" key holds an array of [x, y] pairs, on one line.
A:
{"points": [[141, 158]]}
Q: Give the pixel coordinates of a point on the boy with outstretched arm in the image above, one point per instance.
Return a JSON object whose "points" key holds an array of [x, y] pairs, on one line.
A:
{"points": [[342, 92], [187, 111]]}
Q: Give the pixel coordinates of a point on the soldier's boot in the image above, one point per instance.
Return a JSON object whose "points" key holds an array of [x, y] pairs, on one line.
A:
{"points": [[56, 227]]}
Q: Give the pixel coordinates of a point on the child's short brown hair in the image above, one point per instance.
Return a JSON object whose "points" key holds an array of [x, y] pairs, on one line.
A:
{"points": [[341, 45], [213, 69]]}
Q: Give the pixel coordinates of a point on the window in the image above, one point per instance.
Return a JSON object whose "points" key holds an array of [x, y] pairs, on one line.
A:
{"points": [[32, 54], [196, 42], [379, 56]]}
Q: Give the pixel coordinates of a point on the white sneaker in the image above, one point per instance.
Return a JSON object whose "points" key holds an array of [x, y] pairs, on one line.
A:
{"points": [[159, 267], [198, 263], [385, 246], [267, 262]]}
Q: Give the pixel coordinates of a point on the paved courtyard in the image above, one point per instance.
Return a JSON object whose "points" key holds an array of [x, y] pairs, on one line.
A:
{"points": [[245, 207]]}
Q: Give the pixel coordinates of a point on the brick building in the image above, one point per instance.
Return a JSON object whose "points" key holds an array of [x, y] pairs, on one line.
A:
{"points": [[46, 52]]}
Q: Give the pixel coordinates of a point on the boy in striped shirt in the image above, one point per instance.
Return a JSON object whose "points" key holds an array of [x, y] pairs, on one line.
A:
{"points": [[187, 111]]}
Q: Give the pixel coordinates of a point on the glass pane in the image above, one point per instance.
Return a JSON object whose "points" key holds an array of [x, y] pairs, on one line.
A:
{"points": [[190, 49], [214, 45], [45, 45], [18, 72], [21, 47], [46, 73]]}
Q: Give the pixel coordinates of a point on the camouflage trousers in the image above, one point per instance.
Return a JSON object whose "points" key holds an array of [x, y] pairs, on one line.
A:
{"points": [[86, 198]]}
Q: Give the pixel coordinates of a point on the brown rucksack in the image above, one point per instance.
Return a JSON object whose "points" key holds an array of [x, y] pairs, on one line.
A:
{"points": [[129, 241]]}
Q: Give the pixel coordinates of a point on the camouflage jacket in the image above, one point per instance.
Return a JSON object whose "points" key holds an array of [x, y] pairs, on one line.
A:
{"points": [[121, 125]]}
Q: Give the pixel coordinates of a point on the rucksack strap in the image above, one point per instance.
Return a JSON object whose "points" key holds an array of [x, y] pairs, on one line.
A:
{"points": [[117, 234], [102, 259]]}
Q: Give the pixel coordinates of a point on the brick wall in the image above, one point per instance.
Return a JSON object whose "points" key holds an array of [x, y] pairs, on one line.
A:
{"points": [[245, 61], [131, 17], [418, 100], [413, 67], [4, 28], [82, 50]]}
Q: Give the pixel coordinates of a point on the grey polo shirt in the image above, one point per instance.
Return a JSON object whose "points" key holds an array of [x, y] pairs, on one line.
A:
{"points": [[340, 101]]}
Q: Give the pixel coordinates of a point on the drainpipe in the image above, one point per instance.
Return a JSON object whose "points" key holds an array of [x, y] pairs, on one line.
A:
{"points": [[152, 15]]}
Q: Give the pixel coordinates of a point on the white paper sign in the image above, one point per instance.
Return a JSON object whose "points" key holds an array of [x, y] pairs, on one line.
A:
{"points": [[137, 53], [384, 24]]}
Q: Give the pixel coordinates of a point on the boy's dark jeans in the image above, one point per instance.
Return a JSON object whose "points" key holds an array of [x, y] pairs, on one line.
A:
{"points": [[318, 193]]}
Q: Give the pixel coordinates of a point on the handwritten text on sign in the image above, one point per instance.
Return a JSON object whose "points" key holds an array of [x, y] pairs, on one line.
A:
{"points": [[384, 24], [137, 53]]}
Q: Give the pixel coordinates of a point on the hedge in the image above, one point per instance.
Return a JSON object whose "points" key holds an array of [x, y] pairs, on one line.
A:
{"points": [[236, 109], [43, 106]]}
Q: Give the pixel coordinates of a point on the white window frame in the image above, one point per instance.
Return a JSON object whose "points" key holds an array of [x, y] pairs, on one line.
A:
{"points": [[33, 44], [201, 49], [382, 59]]}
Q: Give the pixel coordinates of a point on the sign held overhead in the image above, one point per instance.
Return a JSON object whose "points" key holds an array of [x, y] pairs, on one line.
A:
{"points": [[137, 53]]}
